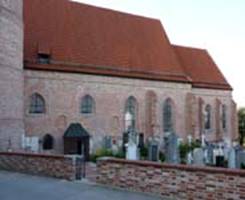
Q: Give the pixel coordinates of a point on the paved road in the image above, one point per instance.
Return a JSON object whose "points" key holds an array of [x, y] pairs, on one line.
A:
{"points": [[14, 186]]}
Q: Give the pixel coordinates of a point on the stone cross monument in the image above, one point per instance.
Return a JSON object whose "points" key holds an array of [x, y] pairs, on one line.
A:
{"points": [[11, 74]]}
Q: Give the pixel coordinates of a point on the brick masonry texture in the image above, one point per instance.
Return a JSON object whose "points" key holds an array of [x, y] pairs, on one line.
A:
{"points": [[63, 93], [57, 166], [11, 74], [172, 181]]}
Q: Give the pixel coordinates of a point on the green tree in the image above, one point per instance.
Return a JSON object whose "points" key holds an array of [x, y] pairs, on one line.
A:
{"points": [[241, 120]]}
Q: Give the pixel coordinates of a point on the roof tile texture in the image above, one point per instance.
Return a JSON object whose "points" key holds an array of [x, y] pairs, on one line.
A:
{"points": [[199, 65], [109, 41]]}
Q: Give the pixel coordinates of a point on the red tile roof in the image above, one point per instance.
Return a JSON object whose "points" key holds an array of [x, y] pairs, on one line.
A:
{"points": [[88, 39], [199, 65]]}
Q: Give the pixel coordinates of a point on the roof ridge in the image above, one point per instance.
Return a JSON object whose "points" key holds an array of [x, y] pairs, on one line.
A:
{"points": [[114, 10], [188, 47]]}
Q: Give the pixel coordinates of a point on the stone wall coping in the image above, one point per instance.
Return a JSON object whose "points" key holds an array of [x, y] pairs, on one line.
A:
{"points": [[33, 155], [214, 170]]}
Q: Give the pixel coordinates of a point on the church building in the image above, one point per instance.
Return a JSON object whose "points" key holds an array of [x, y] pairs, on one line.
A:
{"points": [[85, 67]]}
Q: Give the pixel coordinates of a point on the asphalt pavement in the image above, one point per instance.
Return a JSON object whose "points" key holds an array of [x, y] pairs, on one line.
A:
{"points": [[15, 186]]}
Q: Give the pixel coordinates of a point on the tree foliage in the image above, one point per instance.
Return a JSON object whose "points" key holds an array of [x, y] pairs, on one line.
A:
{"points": [[241, 120]]}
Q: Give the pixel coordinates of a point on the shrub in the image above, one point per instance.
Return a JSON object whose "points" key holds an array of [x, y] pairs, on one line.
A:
{"points": [[119, 154], [102, 152], [161, 156], [185, 148], [143, 153]]}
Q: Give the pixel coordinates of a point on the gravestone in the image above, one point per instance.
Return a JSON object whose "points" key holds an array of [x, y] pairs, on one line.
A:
{"points": [[171, 148], [208, 152], [30, 144], [108, 142], [203, 140], [240, 157], [125, 141], [238, 150], [232, 158], [219, 156], [132, 152], [198, 157], [190, 158], [153, 154], [226, 152]]}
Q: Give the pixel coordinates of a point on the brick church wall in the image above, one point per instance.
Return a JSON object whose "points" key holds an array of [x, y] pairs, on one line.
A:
{"points": [[63, 93], [172, 181], [208, 96]]}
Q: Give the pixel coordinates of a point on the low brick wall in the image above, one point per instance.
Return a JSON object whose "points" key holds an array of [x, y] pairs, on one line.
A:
{"points": [[58, 166], [172, 181]]}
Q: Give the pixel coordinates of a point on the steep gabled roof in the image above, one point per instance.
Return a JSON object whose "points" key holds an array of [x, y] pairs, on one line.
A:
{"points": [[94, 40], [86, 39], [199, 65]]}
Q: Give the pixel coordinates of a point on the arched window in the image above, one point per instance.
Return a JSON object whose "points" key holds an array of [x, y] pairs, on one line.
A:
{"points": [[168, 124], [223, 119], [37, 104], [207, 122], [131, 107], [87, 105], [48, 142]]}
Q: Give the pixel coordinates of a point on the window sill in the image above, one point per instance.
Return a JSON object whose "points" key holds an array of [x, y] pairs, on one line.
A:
{"points": [[87, 115], [35, 114]]}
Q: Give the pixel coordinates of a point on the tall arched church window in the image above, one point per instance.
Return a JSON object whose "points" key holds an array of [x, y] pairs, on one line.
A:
{"points": [[87, 105], [207, 122], [48, 142], [224, 113], [37, 104], [168, 123], [131, 109]]}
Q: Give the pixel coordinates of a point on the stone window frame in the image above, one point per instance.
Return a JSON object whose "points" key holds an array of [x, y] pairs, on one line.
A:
{"points": [[208, 117], [224, 117], [87, 105], [168, 114], [131, 106], [37, 104]]}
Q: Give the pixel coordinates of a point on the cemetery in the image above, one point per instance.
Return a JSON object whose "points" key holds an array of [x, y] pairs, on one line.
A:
{"points": [[173, 168], [173, 150], [87, 85]]}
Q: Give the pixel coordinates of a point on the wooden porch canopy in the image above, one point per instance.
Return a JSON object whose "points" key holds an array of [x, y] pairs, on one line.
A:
{"points": [[76, 140], [76, 130]]}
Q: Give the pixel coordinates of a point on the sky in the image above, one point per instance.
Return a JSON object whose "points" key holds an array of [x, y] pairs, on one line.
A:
{"points": [[215, 25]]}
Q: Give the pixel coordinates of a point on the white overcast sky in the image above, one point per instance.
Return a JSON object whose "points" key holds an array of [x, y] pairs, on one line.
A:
{"points": [[217, 25]]}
